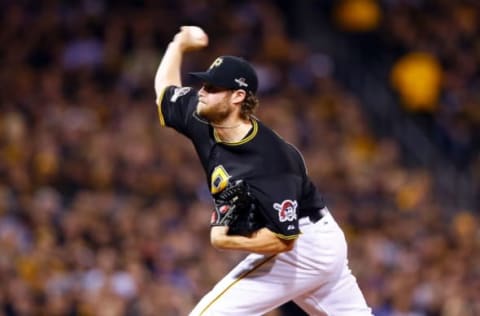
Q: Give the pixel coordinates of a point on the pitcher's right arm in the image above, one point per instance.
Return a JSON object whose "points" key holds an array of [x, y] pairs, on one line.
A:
{"points": [[168, 72]]}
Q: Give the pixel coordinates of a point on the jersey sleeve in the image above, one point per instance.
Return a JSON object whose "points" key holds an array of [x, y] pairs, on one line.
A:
{"points": [[278, 201], [176, 106]]}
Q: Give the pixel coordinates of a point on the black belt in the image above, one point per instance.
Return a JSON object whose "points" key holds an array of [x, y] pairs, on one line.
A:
{"points": [[317, 215]]}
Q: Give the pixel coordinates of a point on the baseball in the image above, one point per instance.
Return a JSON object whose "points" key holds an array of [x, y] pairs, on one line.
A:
{"points": [[197, 33]]}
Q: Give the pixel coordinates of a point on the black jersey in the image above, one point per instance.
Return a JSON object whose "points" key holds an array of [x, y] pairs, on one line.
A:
{"points": [[273, 168]]}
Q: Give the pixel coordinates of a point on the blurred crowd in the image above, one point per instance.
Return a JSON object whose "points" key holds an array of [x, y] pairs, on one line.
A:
{"points": [[103, 212], [438, 73]]}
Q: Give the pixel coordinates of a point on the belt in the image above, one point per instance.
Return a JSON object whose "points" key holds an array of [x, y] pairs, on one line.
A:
{"points": [[315, 216]]}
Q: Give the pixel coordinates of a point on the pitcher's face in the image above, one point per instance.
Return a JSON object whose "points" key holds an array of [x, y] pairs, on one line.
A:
{"points": [[214, 103]]}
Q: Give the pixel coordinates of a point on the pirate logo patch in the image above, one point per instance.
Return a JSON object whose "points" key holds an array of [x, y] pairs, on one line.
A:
{"points": [[287, 210]]}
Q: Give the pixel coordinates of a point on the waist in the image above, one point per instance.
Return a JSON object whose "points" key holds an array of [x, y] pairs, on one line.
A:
{"points": [[314, 217]]}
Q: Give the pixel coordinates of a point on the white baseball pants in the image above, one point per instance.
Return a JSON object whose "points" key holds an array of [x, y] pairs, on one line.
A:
{"points": [[314, 274]]}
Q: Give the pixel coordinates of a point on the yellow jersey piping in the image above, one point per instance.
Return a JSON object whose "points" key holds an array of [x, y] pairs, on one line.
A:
{"points": [[243, 141], [159, 107], [285, 237]]}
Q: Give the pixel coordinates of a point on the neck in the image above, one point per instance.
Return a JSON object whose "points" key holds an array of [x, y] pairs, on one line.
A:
{"points": [[232, 133]]}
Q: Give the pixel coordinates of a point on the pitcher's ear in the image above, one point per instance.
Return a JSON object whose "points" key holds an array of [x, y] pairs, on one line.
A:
{"points": [[238, 96]]}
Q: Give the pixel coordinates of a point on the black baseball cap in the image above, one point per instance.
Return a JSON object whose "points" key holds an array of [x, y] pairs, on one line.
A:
{"points": [[230, 72]]}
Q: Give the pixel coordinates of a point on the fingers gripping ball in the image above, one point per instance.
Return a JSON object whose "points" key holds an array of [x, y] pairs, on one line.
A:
{"points": [[193, 37], [197, 33]]}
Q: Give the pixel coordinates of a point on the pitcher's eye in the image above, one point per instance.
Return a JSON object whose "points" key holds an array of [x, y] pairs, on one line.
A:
{"points": [[213, 89]]}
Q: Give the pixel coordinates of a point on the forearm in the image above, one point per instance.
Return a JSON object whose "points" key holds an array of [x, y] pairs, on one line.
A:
{"points": [[168, 72], [262, 241]]}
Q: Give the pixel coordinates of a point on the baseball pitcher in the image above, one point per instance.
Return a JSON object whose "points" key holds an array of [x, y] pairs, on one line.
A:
{"points": [[263, 200]]}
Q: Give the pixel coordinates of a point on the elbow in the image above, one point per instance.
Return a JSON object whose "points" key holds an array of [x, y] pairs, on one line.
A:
{"points": [[218, 244], [215, 242], [216, 238], [286, 245]]}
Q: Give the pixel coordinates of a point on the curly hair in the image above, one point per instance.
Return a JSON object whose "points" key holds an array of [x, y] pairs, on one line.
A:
{"points": [[249, 105]]}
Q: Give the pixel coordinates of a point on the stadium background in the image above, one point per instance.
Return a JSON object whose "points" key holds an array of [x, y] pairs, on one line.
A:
{"points": [[102, 212]]}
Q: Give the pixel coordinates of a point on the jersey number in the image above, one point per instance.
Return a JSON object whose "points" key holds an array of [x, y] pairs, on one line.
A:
{"points": [[219, 179]]}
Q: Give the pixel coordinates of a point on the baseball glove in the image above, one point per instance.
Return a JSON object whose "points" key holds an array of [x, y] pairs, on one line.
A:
{"points": [[236, 208]]}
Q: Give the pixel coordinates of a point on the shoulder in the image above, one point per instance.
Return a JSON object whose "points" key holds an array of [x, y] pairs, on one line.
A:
{"points": [[276, 146], [268, 133], [176, 106], [271, 139]]}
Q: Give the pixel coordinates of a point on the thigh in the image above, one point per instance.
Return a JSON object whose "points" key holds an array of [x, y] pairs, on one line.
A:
{"points": [[339, 294], [254, 287], [342, 297]]}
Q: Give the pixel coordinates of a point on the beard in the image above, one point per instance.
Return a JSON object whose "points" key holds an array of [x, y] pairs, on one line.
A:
{"points": [[213, 113]]}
